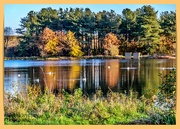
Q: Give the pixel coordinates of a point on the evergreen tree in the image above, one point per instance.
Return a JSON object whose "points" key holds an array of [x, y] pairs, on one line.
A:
{"points": [[149, 28], [168, 34], [128, 31], [128, 24]]}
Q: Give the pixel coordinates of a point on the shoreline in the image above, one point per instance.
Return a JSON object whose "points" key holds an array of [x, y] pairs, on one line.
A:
{"points": [[87, 57]]}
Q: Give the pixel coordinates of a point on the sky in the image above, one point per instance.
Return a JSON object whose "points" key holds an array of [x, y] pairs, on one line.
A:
{"points": [[14, 12]]}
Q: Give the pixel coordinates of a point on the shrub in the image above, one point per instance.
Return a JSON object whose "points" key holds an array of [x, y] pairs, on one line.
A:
{"points": [[113, 50], [46, 108], [168, 86], [165, 112]]}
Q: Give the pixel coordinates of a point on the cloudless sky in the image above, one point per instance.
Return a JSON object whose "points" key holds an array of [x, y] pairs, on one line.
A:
{"points": [[14, 12]]}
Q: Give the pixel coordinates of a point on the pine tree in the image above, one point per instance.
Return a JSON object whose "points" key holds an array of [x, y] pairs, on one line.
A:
{"points": [[168, 34], [149, 28]]}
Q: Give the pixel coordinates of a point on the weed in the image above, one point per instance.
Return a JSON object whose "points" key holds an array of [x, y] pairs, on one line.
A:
{"points": [[46, 108]]}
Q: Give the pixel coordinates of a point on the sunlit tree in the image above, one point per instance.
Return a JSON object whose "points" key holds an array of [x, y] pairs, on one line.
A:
{"points": [[111, 44], [74, 48]]}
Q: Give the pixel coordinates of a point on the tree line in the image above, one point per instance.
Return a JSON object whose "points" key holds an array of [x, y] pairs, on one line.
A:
{"points": [[78, 31]]}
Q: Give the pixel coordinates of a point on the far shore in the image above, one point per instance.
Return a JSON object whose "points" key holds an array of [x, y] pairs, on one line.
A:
{"points": [[89, 57]]}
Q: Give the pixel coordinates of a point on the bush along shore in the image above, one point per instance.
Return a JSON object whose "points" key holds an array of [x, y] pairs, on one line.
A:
{"points": [[45, 108]]}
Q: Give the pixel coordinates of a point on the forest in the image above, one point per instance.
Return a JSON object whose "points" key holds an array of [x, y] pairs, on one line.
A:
{"points": [[75, 32]]}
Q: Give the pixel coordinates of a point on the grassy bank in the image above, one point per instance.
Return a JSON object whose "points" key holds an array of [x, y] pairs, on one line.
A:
{"points": [[66, 109]]}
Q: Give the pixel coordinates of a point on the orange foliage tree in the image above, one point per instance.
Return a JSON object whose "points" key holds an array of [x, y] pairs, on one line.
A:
{"points": [[111, 44], [166, 45], [51, 42]]}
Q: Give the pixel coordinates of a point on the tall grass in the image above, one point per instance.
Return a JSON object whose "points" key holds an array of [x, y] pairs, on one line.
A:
{"points": [[47, 108]]}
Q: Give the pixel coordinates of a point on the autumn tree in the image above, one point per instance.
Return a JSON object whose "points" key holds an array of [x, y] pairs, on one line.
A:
{"points": [[111, 44], [74, 48], [47, 37], [51, 42], [62, 47]]}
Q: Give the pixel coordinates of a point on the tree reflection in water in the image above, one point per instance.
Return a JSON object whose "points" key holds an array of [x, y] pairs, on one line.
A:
{"points": [[90, 75]]}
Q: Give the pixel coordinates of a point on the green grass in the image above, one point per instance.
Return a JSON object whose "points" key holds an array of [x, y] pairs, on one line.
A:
{"points": [[37, 108]]}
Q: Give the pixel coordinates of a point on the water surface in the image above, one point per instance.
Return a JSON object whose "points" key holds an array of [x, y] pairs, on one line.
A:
{"points": [[119, 75]]}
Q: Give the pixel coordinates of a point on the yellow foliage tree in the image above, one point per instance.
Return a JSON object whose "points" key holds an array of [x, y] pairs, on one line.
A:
{"points": [[51, 46], [75, 49]]}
